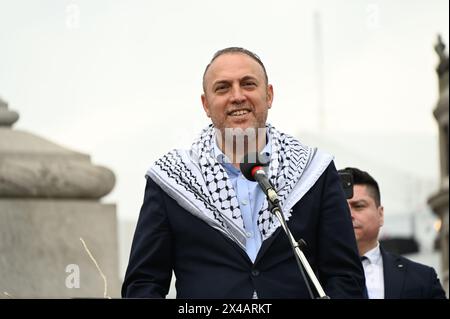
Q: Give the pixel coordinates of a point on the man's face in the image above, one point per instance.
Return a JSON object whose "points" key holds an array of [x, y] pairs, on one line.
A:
{"points": [[236, 94], [367, 218]]}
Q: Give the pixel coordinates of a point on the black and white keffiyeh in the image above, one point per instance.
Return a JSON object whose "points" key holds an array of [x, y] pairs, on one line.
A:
{"points": [[200, 184]]}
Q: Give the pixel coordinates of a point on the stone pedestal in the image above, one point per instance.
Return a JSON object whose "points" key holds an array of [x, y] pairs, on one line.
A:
{"points": [[49, 199], [40, 241]]}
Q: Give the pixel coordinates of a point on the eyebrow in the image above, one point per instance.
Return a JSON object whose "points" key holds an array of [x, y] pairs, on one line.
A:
{"points": [[220, 82], [361, 201], [245, 78], [249, 77]]}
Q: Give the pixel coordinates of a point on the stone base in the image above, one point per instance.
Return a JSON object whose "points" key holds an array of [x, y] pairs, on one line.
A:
{"points": [[41, 255]]}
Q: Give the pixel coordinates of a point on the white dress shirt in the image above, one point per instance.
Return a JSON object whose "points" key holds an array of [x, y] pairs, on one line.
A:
{"points": [[373, 270]]}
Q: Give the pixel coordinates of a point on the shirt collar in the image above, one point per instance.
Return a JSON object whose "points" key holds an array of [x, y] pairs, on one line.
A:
{"points": [[224, 160], [374, 255]]}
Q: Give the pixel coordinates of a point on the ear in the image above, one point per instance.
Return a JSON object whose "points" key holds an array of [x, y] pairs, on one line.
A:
{"points": [[205, 105], [381, 214], [269, 97]]}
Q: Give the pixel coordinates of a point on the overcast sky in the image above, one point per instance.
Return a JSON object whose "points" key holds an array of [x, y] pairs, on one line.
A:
{"points": [[121, 80]]}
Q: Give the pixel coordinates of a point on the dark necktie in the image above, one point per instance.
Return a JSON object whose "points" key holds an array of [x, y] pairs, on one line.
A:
{"points": [[366, 294]]}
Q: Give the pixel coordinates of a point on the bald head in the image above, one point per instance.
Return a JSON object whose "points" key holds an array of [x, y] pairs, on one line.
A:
{"points": [[234, 50]]}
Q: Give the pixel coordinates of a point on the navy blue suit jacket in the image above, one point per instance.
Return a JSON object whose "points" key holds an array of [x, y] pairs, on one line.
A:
{"points": [[207, 264], [406, 279]]}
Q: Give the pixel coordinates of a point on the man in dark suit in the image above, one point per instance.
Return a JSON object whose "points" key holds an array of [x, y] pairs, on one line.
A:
{"points": [[203, 220], [387, 275]]}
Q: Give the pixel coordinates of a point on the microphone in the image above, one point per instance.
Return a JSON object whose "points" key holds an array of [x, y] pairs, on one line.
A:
{"points": [[252, 167]]}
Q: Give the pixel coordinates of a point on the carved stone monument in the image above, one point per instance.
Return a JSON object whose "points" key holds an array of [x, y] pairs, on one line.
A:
{"points": [[49, 199], [439, 200]]}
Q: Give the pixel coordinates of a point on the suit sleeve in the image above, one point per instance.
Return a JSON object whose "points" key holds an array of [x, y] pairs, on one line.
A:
{"points": [[339, 266], [436, 291], [150, 266]]}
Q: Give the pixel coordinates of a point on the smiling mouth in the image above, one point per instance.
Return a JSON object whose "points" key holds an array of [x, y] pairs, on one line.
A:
{"points": [[238, 112]]}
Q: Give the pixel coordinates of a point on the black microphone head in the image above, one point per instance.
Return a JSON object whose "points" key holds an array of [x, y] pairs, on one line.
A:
{"points": [[250, 161]]}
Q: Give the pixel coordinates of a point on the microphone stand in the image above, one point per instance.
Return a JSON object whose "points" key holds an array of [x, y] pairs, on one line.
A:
{"points": [[253, 170], [297, 248]]}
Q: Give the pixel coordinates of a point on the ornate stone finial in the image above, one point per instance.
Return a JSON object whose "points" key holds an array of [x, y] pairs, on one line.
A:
{"points": [[443, 56], [440, 48], [7, 117]]}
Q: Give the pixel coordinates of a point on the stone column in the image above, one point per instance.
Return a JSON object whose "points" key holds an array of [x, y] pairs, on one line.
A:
{"points": [[49, 199], [439, 201]]}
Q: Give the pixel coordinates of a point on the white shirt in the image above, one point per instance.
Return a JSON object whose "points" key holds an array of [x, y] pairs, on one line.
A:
{"points": [[373, 270]]}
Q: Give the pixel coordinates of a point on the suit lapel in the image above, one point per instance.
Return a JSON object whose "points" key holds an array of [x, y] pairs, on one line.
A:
{"points": [[267, 243], [394, 275]]}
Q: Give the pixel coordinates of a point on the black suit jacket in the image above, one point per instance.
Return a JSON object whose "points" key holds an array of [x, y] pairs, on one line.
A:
{"points": [[207, 264], [406, 279]]}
